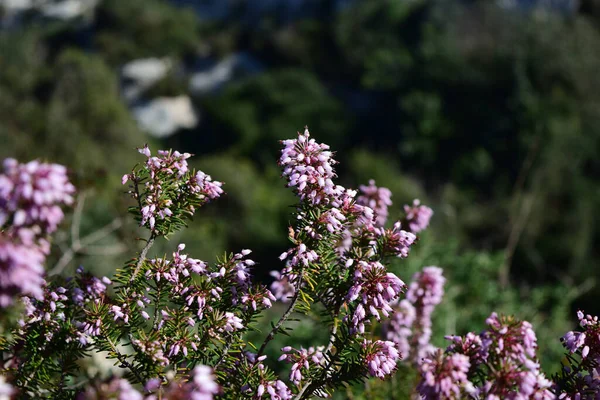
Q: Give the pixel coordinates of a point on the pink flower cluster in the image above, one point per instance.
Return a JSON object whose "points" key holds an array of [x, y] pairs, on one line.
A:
{"points": [[201, 386], [167, 181], [417, 216], [378, 199], [501, 364], [375, 288], [381, 357], [66, 306], [308, 167], [445, 376], [31, 196], [410, 325], [397, 241], [302, 360], [580, 379], [588, 341], [273, 389]]}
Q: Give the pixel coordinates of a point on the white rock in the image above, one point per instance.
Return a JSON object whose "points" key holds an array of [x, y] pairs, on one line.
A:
{"points": [[67, 9], [230, 68], [163, 116], [203, 82], [143, 73], [146, 71], [17, 5]]}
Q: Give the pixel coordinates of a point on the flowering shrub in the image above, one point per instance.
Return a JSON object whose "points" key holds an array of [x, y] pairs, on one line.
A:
{"points": [[177, 327]]}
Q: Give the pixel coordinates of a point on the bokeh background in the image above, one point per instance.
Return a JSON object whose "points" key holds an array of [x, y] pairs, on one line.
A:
{"points": [[488, 111]]}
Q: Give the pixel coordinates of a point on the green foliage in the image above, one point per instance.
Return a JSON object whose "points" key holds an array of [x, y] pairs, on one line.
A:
{"points": [[69, 111], [252, 114], [488, 113], [473, 290], [145, 28]]}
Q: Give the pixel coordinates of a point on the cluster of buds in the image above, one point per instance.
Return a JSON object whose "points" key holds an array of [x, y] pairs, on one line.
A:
{"points": [[375, 288], [167, 190], [201, 385], [381, 357], [396, 241], [417, 216], [500, 364], [410, 325], [31, 196], [377, 198], [302, 359], [308, 166], [579, 377]]}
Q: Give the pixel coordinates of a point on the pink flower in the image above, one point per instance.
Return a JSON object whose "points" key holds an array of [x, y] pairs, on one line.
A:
{"points": [[375, 288], [308, 166], [381, 357], [31, 196], [378, 199], [417, 216], [397, 241], [445, 377], [302, 360]]}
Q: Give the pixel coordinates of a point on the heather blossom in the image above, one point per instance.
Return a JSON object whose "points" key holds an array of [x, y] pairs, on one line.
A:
{"points": [[377, 198], [417, 216], [308, 166], [302, 360], [31, 196], [165, 180], [444, 377], [579, 379], [410, 325], [588, 341], [397, 241], [375, 288], [501, 364], [275, 390], [381, 357]]}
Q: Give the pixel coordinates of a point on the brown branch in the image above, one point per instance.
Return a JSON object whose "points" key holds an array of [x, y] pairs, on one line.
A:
{"points": [[142, 257], [81, 245], [284, 317]]}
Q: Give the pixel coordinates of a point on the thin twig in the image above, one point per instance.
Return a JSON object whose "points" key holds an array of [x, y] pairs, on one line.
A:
{"points": [[332, 336], [122, 359], [284, 317], [513, 239], [225, 351], [80, 245], [311, 384], [518, 226], [111, 250], [76, 223], [142, 257]]}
